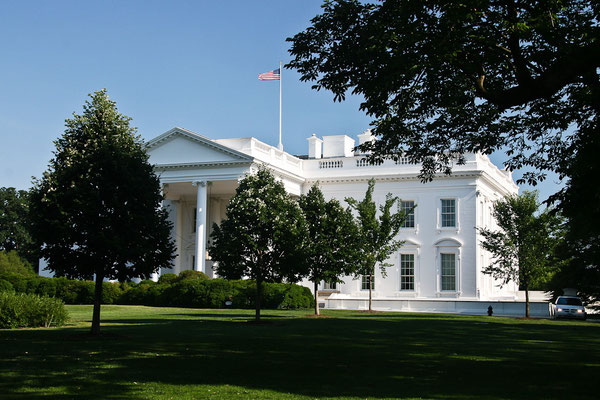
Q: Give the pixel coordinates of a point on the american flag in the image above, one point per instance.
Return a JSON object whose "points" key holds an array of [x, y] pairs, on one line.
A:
{"points": [[270, 76]]}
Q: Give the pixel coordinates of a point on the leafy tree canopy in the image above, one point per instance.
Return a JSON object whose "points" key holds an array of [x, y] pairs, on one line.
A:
{"points": [[377, 233], [333, 243], [522, 248], [441, 78], [263, 236], [580, 204], [10, 262], [97, 208], [14, 230]]}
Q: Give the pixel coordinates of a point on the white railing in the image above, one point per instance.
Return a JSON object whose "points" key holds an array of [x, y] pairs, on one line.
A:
{"points": [[363, 162], [331, 164], [403, 161]]}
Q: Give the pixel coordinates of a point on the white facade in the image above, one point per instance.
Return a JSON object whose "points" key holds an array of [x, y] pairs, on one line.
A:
{"points": [[439, 266]]}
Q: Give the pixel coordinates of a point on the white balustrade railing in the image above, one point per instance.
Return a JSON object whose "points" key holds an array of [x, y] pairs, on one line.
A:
{"points": [[331, 164]]}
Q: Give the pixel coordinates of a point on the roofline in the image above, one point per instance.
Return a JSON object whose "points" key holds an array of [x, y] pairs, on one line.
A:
{"points": [[197, 138]]}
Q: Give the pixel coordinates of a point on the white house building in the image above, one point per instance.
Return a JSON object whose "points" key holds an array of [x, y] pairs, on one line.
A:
{"points": [[438, 268]]}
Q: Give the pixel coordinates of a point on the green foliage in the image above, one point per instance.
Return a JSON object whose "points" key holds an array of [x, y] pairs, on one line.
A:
{"points": [[441, 78], [333, 242], [6, 286], [167, 278], [580, 204], [263, 236], [190, 274], [183, 290], [522, 249], [10, 262], [14, 229], [377, 233], [97, 208], [19, 310]]}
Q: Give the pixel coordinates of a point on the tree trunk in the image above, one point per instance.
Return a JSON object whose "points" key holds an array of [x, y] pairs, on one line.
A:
{"points": [[258, 296], [97, 302], [526, 301], [316, 298], [371, 291]]}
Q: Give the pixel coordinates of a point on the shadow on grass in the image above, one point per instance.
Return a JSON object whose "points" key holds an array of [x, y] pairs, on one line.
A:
{"points": [[427, 356]]}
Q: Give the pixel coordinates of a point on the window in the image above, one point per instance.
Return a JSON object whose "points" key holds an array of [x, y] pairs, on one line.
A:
{"points": [[407, 272], [329, 285], [409, 208], [448, 213], [448, 271], [365, 282]]}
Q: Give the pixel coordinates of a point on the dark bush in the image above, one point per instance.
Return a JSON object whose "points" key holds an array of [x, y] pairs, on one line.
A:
{"points": [[188, 289], [111, 292], [18, 281], [6, 286], [167, 278], [190, 274], [46, 287]]}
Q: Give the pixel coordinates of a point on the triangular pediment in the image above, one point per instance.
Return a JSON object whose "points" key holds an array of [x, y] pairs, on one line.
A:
{"points": [[180, 146]]}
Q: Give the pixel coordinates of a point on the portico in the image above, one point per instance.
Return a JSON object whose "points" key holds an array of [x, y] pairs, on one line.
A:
{"points": [[199, 176]]}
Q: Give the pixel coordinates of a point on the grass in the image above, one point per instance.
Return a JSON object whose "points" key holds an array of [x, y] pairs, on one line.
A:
{"points": [[174, 353]]}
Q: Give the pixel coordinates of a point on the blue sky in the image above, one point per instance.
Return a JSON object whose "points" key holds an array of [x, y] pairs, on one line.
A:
{"points": [[192, 64]]}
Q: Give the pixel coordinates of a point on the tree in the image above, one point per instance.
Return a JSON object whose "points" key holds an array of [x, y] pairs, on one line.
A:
{"points": [[263, 236], [522, 250], [441, 78], [579, 202], [96, 211], [14, 229], [378, 234], [333, 243], [10, 262]]}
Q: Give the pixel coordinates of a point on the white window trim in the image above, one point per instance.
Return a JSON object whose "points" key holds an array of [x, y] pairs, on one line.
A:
{"points": [[415, 253], [448, 246], [415, 228], [322, 287], [360, 286], [439, 214]]}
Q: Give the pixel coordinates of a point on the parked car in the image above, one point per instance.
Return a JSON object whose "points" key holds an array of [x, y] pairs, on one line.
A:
{"points": [[568, 307]]}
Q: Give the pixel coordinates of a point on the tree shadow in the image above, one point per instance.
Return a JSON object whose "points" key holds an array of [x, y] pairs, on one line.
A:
{"points": [[450, 358]]}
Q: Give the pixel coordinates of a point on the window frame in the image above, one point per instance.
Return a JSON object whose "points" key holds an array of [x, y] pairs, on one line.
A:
{"points": [[413, 214], [401, 275], [453, 275], [363, 282], [439, 217]]}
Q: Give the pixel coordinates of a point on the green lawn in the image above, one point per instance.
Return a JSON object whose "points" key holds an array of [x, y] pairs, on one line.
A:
{"points": [[164, 353]]}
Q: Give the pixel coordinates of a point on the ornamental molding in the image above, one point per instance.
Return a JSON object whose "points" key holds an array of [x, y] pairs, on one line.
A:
{"points": [[203, 165], [181, 132], [392, 178]]}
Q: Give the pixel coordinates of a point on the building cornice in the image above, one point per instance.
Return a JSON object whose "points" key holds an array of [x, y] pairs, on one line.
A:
{"points": [[203, 165], [392, 177], [157, 141]]}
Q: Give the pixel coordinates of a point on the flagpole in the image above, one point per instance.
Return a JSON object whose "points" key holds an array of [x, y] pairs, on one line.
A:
{"points": [[280, 78]]}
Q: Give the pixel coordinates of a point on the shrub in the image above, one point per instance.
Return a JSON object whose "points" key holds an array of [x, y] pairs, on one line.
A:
{"points": [[46, 287], [190, 274], [6, 286], [111, 292], [30, 310], [18, 281], [167, 278]]}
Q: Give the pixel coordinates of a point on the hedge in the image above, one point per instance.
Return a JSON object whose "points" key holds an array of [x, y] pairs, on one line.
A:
{"points": [[188, 289]]}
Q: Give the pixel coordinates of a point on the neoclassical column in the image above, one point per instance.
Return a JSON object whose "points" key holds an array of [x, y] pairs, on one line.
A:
{"points": [[201, 226]]}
